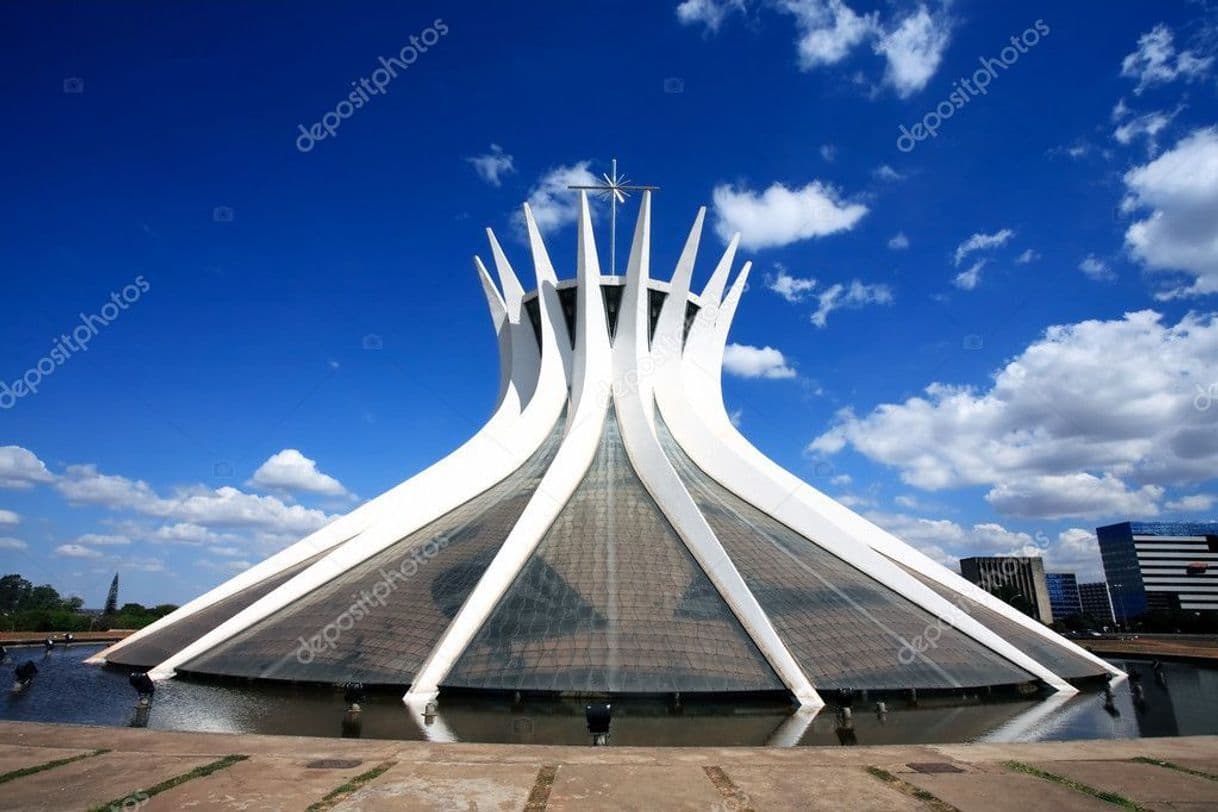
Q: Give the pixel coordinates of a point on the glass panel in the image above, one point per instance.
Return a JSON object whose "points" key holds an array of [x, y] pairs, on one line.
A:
{"points": [[845, 629], [377, 622], [159, 646], [1058, 659], [612, 601]]}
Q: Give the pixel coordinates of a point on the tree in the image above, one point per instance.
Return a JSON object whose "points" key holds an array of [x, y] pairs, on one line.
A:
{"points": [[111, 607], [14, 592], [1011, 594], [44, 597]]}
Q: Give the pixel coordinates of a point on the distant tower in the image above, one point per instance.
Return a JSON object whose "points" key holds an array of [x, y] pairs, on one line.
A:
{"points": [[112, 599]]}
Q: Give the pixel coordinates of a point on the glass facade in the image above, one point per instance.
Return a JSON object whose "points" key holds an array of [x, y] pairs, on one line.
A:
{"points": [[377, 622], [612, 601], [1058, 659], [159, 646], [844, 628]]}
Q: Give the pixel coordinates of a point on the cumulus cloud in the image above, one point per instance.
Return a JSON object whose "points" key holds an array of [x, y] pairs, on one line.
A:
{"points": [[1157, 62], [102, 540], [1146, 126], [1192, 503], [21, 469], [490, 166], [709, 14], [791, 288], [780, 216], [10, 543], [898, 242], [982, 242], [1180, 233], [887, 173], [756, 362], [1067, 428], [828, 30], [1029, 255], [854, 295], [76, 551], [914, 49], [969, 279], [1095, 268], [9, 517], [553, 204], [220, 507], [291, 471]]}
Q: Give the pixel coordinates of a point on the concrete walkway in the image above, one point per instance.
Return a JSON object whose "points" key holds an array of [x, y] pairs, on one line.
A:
{"points": [[159, 770]]}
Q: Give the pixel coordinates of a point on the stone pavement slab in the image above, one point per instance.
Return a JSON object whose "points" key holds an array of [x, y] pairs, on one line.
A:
{"points": [[604, 787], [93, 781], [16, 757], [259, 784], [816, 788], [441, 787], [986, 791], [1146, 784]]}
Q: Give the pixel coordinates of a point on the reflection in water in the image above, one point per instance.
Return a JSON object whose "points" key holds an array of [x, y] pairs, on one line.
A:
{"points": [[1176, 700]]}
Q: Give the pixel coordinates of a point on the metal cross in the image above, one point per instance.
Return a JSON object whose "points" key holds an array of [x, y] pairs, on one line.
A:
{"points": [[616, 188]]}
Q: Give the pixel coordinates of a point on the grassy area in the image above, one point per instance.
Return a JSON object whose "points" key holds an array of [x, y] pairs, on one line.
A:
{"points": [[340, 792], [540, 794], [49, 765], [1077, 786], [1158, 762], [909, 789], [170, 783]]}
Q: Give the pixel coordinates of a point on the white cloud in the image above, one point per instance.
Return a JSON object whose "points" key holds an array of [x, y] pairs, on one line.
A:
{"points": [[221, 507], [898, 242], [291, 471], [9, 517], [1095, 268], [886, 172], [780, 216], [982, 242], [1094, 418], [791, 288], [828, 30], [96, 540], [755, 362], [1027, 256], [828, 152], [21, 469], [708, 13], [914, 49], [10, 543], [1120, 110], [736, 417], [1192, 503], [1180, 187], [491, 165], [76, 551], [1079, 494], [851, 296], [553, 204], [1156, 61], [1146, 126], [970, 278]]}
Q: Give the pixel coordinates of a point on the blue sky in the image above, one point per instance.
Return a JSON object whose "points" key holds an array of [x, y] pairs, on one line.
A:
{"points": [[990, 339]]}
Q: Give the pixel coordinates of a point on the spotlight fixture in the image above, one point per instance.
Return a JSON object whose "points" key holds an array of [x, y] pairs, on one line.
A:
{"points": [[354, 695], [24, 674], [143, 685], [599, 716]]}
